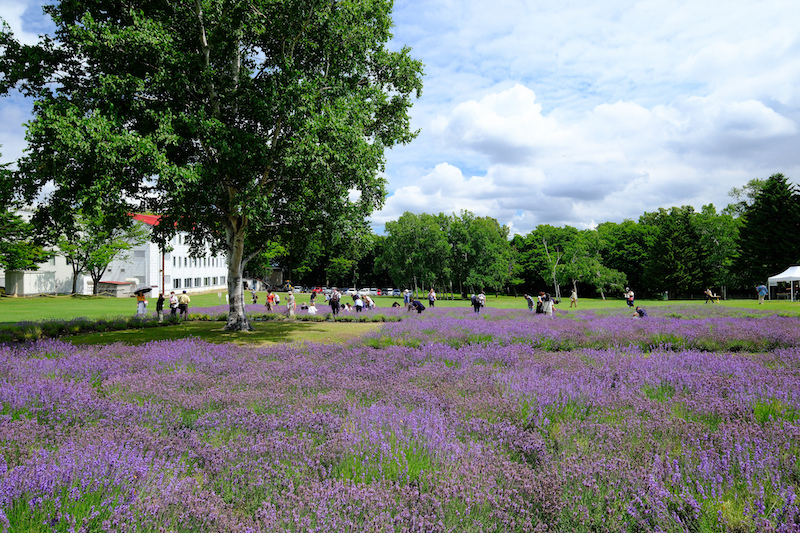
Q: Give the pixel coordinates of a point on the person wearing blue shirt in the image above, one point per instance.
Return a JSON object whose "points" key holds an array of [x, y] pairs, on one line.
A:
{"points": [[762, 291]]}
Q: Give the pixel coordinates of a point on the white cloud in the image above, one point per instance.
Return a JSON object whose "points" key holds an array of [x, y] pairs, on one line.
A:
{"points": [[25, 19], [576, 112]]}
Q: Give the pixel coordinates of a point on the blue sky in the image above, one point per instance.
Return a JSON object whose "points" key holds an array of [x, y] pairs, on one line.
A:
{"points": [[575, 112]]}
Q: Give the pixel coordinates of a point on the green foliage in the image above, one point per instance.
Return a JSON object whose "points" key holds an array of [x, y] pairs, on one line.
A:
{"points": [[624, 247], [416, 251], [90, 242], [769, 238], [767, 410], [677, 262], [240, 126], [18, 247], [423, 251]]}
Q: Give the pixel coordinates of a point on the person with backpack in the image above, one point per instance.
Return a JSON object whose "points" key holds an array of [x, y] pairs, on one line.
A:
{"points": [[548, 304], [478, 301], [334, 301]]}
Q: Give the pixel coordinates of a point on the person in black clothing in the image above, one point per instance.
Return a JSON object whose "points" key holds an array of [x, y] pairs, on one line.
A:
{"points": [[640, 313], [417, 305], [160, 306]]}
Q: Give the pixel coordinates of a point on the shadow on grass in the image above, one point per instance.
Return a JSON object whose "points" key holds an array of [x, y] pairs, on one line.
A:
{"points": [[263, 333]]}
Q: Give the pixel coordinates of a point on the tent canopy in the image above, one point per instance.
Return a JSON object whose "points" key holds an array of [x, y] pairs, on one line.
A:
{"points": [[790, 274]]}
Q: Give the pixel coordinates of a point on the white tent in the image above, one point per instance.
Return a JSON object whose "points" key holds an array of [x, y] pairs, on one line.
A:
{"points": [[790, 275]]}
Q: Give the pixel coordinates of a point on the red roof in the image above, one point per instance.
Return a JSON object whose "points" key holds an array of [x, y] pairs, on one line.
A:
{"points": [[150, 220]]}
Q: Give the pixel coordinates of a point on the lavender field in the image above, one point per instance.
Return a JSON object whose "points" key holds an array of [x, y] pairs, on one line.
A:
{"points": [[688, 420]]}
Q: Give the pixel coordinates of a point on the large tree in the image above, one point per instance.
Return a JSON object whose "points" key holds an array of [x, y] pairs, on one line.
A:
{"points": [[91, 243], [677, 261], [769, 238], [239, 122], [624, 247], [416, 252]]}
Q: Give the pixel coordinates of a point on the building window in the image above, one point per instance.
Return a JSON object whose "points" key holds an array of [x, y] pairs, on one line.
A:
{"points": [[197, 282], [185, 262], [222, 280], [176, 284], [214, 281], [205, 282], [173, 262], [187, 283]]}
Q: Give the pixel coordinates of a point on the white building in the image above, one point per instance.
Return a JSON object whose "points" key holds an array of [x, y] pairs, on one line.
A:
{"points": [[145, 265]]}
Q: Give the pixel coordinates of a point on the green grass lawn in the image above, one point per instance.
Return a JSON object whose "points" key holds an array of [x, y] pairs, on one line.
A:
{"points": [[13, 310], [264, 333]]}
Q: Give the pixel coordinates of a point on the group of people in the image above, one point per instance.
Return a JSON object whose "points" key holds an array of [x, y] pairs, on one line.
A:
{"points": [[177, 304], [412, 304], [543, 303]]}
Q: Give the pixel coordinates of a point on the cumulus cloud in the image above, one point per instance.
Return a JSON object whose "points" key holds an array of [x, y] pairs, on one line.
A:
{"points": [[582, 112]]}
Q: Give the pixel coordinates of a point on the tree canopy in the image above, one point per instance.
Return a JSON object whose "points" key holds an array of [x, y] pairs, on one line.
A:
{"points": [[769, 238], [239, 123]]}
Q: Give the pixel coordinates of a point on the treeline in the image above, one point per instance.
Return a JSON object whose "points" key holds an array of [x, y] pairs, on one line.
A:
{"points": [[679, 251]]}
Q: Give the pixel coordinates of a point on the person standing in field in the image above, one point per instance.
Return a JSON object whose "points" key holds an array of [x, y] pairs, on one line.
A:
{"points": [[183, 305], [629, 296], [478, 301], [173, 304], [270, 300], [573, 298], [334, 301], [762, 292], [141, 303], [290, 304], [547, 305], [160, 307], [431, 298]]}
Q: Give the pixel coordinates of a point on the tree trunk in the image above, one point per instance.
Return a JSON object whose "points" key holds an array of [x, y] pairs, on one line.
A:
{"points": [[237, 317], [74, 280]]}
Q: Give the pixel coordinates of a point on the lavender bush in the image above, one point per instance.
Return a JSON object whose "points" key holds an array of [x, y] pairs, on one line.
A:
{"points": [[446, 421]]}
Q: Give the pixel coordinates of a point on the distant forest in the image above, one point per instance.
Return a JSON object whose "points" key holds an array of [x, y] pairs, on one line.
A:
{"points": [[677, 251]]}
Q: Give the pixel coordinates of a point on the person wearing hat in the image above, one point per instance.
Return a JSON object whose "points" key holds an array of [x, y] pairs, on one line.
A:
{"points": [[183, 305]]}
